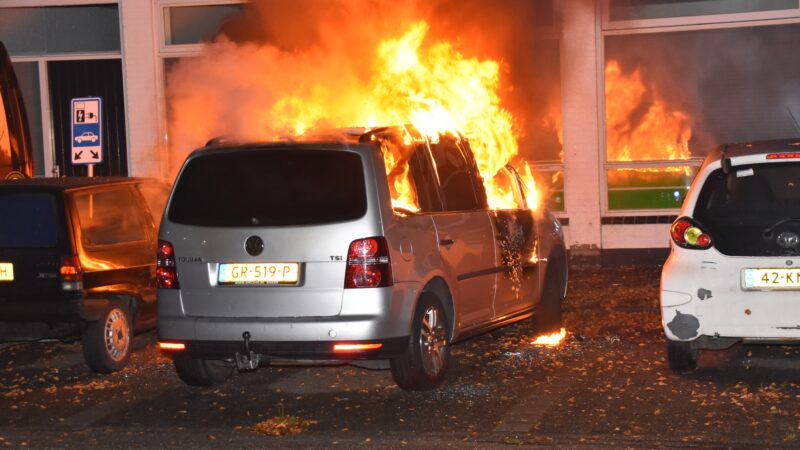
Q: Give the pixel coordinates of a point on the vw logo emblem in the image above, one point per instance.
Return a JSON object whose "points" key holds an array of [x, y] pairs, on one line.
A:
{"points": [[787, 239], [254, 245]]}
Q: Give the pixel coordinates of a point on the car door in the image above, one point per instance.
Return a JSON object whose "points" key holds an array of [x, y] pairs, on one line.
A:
{"points": [[117, 242], [517, 252], [465, 234]]}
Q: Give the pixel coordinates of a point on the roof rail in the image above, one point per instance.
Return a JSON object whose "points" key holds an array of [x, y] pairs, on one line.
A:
{"points": [[217, 140], [366, 137]]}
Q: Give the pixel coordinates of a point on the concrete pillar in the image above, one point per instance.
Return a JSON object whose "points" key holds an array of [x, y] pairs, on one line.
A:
{"points": [[139, 66], [580, 100]]}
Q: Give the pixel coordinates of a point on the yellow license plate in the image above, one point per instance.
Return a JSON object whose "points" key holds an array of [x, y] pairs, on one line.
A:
{"points": [[258, 273], [6, 271], [778, 278]]}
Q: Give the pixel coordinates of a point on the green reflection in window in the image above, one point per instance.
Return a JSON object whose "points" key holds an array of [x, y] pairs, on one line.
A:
{"points": [[551, 188], [649, 188]]}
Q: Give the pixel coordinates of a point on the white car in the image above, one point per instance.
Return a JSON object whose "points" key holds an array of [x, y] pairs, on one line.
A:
{"points": [[733, 274], [87, 136]]}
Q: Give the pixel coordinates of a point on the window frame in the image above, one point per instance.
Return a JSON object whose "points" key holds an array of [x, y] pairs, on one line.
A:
{"points": [[174, 51], [679, 24], [731, 19], [162, 28]]}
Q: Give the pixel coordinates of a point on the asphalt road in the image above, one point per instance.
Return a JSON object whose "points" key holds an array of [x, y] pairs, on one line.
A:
{"points": [[605, 386]]}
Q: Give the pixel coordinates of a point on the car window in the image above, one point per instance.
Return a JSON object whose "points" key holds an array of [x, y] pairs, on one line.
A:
{"points": [[738, 207], [424, 179], [270, 187], [155, 195], [110, 216], [455, 178], [508, 184], [29, 220]]}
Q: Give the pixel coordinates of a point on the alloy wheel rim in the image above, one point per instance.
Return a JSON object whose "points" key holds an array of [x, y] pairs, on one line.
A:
{"points": [[116, 335], [432, 341]]}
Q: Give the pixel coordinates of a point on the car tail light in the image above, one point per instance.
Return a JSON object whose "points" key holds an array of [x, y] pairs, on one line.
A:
{"points": [[71, 275], [166, 277], [368, 264], [687, 233]]}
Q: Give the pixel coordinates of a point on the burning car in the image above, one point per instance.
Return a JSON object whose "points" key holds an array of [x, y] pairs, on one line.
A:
{"points": [[732, 274], [76, 262], [374, 247]]}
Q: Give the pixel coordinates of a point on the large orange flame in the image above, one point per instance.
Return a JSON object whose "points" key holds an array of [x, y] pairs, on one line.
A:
{"points": [[640, 125], [439, 92]]}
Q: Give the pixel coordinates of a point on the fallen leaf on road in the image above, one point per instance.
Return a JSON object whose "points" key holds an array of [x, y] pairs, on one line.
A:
{"points": [[283, 425]]}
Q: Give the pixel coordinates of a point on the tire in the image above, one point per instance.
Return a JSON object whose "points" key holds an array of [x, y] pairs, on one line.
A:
{"points": [[682, 356], [423, 365], [548, 318], [107, 343], [203, 372]]}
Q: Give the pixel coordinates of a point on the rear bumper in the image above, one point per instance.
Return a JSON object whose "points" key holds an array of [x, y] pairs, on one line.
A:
{"points": [[702, 299], [308, 350], [287, 337]]}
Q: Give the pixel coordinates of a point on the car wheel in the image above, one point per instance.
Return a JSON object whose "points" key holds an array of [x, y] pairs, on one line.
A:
{"points": [[548, 314], [682, 356], [107, 342], [424, 363], [203, 372]]}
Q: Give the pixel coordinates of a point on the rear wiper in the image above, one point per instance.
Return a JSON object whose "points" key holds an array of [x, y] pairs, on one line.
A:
{"points": [[768, 231]]}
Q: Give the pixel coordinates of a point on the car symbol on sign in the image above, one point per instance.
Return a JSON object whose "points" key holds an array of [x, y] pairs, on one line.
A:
{"points": [[88, 136]]}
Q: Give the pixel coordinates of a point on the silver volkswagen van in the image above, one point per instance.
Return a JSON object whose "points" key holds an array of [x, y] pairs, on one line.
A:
{"points": [[278, 251]]}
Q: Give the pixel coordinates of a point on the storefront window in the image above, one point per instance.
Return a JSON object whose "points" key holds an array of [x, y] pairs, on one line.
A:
{"points": [[60, 29], [28, 80], [649, 188], [550, 184], [661, 9], [672, 97], [196, 24]]}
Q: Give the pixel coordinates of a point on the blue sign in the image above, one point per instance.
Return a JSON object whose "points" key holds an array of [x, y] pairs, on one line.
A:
{"points": [[87, 130]]}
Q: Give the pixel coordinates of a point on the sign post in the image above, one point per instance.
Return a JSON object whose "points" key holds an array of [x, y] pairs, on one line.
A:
{"points": [[87, 132]]}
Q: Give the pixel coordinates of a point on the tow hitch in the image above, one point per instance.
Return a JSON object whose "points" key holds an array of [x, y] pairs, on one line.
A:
{"points": [[249, 359]]}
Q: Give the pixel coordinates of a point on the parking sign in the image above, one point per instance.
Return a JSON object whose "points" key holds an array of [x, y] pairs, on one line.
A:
{"points": [[87, 130]]}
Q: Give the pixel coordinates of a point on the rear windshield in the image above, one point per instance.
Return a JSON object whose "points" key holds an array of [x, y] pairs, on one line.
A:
{"points": [[29, 220], [110, 216], [745, 210], [270, 187]]}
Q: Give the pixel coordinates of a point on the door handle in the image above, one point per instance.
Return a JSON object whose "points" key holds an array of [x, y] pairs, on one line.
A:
{"points": [[446, 242]]}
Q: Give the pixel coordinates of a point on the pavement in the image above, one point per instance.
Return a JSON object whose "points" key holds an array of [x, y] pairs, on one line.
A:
{"points": [[606, 385]]}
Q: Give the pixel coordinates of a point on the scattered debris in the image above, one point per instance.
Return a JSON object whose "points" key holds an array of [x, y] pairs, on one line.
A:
{"points": [[283, 425]]}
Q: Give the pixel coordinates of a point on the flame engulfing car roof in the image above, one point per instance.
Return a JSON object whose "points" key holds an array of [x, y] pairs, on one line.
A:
{"points": [[340, 135]]}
